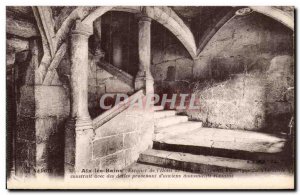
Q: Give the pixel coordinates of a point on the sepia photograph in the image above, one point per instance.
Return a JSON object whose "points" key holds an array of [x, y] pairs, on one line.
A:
{"points": [[150, 97]]}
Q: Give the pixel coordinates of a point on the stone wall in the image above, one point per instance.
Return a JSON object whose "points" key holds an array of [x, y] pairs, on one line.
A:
{"points": [[244, 76], [171, 64], [255, 101], [118, 142], [234, 78]]}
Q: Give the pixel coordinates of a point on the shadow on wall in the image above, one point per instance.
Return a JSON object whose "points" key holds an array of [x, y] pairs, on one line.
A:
{"points": [[55, 150]]}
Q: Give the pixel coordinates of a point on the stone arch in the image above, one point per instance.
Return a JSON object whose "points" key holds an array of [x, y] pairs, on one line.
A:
{"points": [[276, 14], [163, 15], [272, 12]]}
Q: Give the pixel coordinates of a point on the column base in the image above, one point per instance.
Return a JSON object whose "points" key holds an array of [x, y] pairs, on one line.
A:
{"points": [[146, 83], [149, 86], [84, 149], [79, 136], [139, 83], [84, 138]]}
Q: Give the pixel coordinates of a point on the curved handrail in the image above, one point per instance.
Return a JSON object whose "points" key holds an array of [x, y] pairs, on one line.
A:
{"points": [[117, 109]]}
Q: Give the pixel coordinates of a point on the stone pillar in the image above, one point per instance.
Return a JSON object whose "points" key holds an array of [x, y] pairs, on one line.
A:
{"points": [[79, 94], [41, 113], [99, 53], [144, 77]]}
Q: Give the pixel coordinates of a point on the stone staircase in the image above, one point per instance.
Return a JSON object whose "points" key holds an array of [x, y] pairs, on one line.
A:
{"points": [[185, 145], [168, 124]]}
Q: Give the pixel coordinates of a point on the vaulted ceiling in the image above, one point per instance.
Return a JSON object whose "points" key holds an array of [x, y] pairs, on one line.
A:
{"points": [[193, 25], [198, 18], [23, 16]]}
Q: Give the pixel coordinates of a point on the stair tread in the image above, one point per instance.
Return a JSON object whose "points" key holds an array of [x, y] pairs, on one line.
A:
{"points": [[164, 113], [174, 117], [177, 129], [239, 140], [158, 108], [197, 159], [171, 120]]}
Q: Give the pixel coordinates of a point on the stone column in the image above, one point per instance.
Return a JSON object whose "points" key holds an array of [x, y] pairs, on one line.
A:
{"points": [[144, 77], [99, 53], [79, 94]]}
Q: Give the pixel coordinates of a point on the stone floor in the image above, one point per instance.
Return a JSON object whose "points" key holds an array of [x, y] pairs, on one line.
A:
{"points": [[228, 139], [211, 150]]}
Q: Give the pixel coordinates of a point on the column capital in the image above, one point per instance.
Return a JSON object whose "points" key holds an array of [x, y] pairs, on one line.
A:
{"points": [[143, 18], [82, 29]]}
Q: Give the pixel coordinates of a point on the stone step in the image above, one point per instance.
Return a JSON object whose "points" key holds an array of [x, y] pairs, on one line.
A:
{"points": [[177, 129], [225, 143], [168, 121], [196, 163], [158, 108], [164, 113]]}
